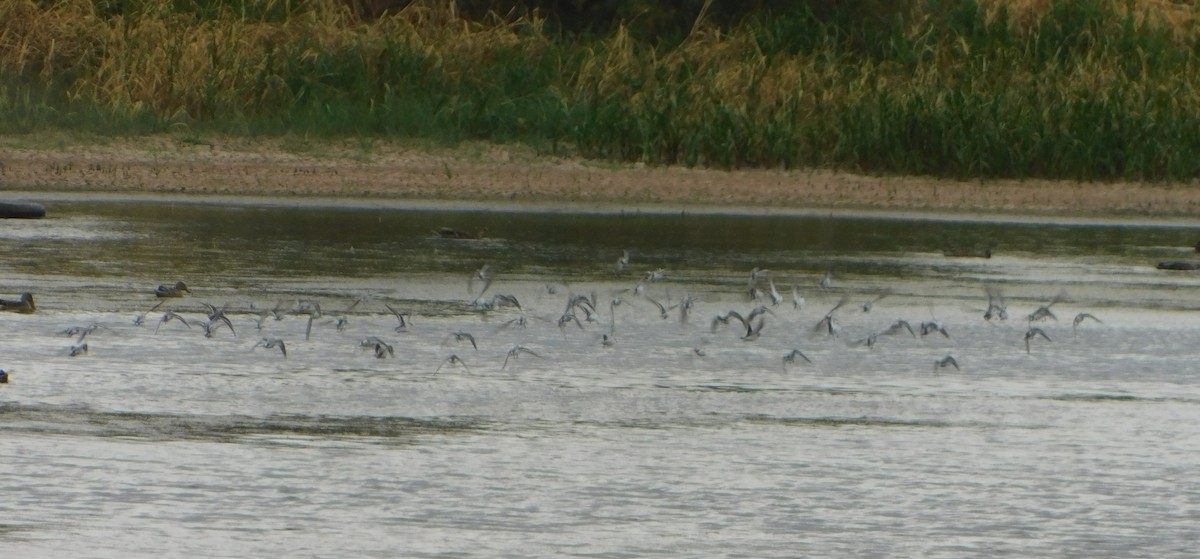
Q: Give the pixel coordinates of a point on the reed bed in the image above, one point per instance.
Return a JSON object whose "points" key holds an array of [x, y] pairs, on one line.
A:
{"points": [[1076, 89]]}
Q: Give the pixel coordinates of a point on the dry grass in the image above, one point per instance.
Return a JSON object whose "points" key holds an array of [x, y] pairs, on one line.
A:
{"points": [[930, 98]]}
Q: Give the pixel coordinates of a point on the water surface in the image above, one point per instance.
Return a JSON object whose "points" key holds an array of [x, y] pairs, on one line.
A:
{"points": [[676, 440]]}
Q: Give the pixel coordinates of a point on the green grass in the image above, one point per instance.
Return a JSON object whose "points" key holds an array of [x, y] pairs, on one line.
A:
{"points": [[1082, 89]]}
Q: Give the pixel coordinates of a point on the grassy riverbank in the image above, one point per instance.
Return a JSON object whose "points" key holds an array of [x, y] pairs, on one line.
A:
{"points": [[1054, 89]]}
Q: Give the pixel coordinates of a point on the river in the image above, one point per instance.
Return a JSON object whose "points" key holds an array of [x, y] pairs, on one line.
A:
{"points": [[678, 438]]}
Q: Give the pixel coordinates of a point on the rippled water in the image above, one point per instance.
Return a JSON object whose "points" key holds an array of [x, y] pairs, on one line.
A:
{"points": [[160, 441]]}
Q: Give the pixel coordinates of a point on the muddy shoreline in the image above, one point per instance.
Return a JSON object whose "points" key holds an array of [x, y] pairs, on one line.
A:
{"points": [[494, 176]]}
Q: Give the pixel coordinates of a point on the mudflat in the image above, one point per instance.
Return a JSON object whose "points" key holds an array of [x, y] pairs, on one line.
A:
{"points": [[484, 172]]}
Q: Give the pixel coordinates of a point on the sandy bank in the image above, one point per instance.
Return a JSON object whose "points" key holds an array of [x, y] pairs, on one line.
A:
{"points": [[482, 173]]}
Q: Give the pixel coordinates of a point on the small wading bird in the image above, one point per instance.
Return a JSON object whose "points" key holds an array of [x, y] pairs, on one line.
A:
{"points": [[776, 298], [501, 300], [612, 314], [140, 319], [258, 322], [753, 333], [461, 336], [996, 307], [272, 343], [515, 353], [897, 327], [566, 319], [790, 358], [403, 326], [933, 325], [518, 322], [452, 361], [685, 307], [169, 316], [867, 306], [724, 319], [1079, 318], [311, 308], [623, 261], [216, 317], [382, 349], [80, 331], [655, 276], [216, 322], [826, 281], [176, 290], [745, 320], [279, 311], [947, 361], [24, 305], [1043, 312], [483, 275], [1033, 333], [497, 301], [340, 323], [583, 303], [868, 341], [757, 275], [663, 311], [761, 309], [797, 299], [827, 323]]}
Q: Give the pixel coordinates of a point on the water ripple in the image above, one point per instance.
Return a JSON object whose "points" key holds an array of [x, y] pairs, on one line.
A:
{"points": [[82, 420]]}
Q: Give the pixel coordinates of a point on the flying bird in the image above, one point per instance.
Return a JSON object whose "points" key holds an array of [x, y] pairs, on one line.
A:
{"points": [[516, 352], [1033, 333], [140, 319], [272, 343], [452, 361], [947, 361], [169, 316], [1079, 318], [790, 358]]}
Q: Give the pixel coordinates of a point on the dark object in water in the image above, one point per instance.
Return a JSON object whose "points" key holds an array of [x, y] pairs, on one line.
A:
{"points": [[1178, 265], [22, 210], [24, 305], [3, 377], [176, 290], [452, 233], [963, 252]]}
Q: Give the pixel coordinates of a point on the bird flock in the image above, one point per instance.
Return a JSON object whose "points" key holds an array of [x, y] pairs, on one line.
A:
{"points": [[581, 313]]}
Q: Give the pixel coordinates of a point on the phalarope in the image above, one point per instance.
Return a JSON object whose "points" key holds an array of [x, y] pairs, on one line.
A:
{"points": [[271, 343], [516, 352], [790, 358], [947, 361], [1033, 333]]}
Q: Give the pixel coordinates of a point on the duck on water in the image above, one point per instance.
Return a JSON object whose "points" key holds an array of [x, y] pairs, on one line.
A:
{"points": [[24, 305], [22, 210], [176, 290]]}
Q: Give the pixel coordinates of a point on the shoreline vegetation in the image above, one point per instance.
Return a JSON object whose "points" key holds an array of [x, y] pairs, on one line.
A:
{"points": [[1051, 106]]}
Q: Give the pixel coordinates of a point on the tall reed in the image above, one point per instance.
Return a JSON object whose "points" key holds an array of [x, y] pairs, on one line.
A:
{"points": [[1082, 89]]}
